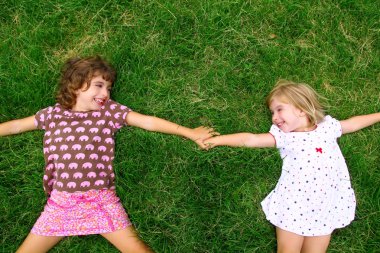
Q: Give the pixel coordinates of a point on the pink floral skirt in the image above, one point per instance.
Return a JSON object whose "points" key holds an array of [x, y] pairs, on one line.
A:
{"points": [[81, 213]]}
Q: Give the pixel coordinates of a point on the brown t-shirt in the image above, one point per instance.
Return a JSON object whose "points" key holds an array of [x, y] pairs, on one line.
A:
{"points": [[79, 146]]}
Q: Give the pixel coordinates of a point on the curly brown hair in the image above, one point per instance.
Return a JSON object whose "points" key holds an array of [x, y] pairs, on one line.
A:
{"points": [[77, 73]]}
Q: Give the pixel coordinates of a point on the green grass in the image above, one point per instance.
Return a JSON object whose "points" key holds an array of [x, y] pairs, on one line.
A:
{"points": [[195, 63]]}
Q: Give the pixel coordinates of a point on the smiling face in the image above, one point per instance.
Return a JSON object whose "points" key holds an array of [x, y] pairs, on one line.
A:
{"points": [[289, 118], [93, 98]]}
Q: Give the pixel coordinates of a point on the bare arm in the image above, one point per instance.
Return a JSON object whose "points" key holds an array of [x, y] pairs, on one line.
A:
{"points": [[242, 140], [17, 126], [359, 122], [155, 124]]}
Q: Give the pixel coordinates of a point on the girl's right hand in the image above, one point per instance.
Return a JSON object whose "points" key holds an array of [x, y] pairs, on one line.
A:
{"points": [[202, 133], [211, 142], [241, 140]]}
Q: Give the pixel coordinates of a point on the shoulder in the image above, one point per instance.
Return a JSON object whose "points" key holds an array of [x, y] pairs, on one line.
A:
{"points": [[331, 125], [116, 112], [114, 106], [327, 118], [278, 135], [46, 115], [274, 130], [328, 121], [43, 113]]}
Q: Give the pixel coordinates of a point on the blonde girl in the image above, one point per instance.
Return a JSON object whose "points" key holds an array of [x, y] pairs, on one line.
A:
{"points": [[313, 195], [78, 147]]}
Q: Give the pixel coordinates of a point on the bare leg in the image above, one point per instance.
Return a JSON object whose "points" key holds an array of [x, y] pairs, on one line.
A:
{"points": [[316, 244], [127, 240], [288, 242], [38, 243]]}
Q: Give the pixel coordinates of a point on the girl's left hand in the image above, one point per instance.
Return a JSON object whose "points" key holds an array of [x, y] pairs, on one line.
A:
{"points": [[202, 133]]}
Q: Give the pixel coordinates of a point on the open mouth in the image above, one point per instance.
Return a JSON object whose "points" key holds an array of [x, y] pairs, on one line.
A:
{"points": [[100, 101], [280, 124]]}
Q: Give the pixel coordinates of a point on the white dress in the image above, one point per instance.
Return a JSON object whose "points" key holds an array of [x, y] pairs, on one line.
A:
{"points": [[313, 195]]}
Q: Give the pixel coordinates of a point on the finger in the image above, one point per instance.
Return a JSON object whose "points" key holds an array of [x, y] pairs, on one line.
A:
{"points": [[200, 143], [208, 145], [206, 128], [202, 146]]}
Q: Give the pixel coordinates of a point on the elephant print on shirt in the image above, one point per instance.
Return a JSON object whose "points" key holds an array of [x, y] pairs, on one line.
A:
{"points": [[80, 145]]}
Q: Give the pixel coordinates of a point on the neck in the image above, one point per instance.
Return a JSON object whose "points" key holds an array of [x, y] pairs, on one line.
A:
{"points": [[306, 128]]}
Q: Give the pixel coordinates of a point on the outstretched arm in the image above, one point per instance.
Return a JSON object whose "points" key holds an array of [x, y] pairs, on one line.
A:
{"points": [[359, 122], [155, 124], [242, 140], [17, 126]]}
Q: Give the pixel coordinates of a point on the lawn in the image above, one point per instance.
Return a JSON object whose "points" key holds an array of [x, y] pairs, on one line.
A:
{"points": [[195, 62]]}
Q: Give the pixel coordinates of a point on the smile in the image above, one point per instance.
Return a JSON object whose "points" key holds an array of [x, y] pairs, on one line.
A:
{"points": [[280, 124], [100, 101]]}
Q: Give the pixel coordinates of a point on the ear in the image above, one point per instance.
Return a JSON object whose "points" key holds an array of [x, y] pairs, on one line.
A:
{"points": [[82, 89], [77, 91], [301, 113]]}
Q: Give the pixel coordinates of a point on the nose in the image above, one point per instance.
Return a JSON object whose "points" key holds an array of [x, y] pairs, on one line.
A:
{"points": [[105, 92], [274, 117]]}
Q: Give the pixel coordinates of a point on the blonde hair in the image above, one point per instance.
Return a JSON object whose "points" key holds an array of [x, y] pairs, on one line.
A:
{"points": [[302, 96]]}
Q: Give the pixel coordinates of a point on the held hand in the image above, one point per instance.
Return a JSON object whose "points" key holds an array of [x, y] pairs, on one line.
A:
{"points": [[210, 142], [201, 134]]}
